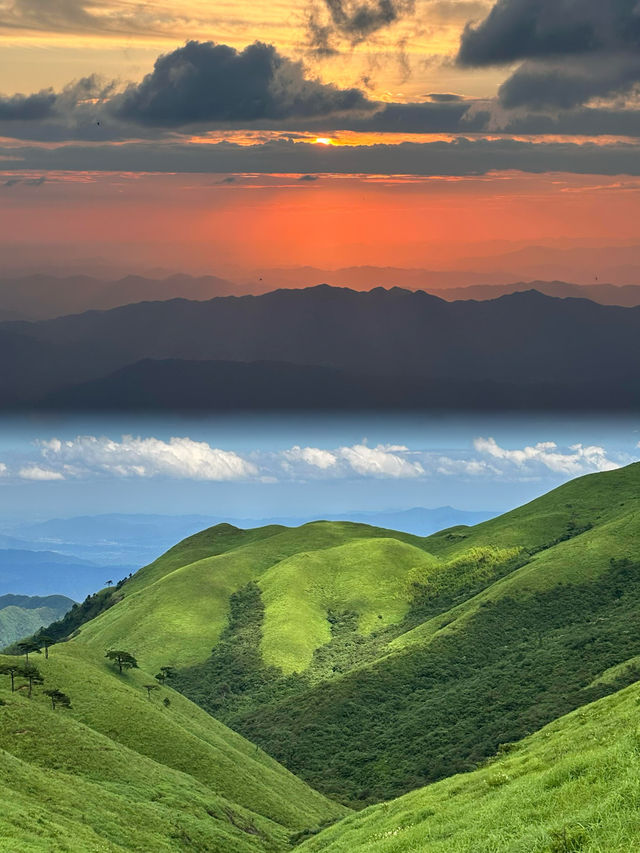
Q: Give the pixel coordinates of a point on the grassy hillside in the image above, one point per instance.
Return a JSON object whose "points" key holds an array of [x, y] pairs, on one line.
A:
{"points": [[573, 786], [122, 770], [309, 641], [500, 628], [173, 611], [21, 615]]}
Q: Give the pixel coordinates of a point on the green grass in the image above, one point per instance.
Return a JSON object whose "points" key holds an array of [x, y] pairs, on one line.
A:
{"points": [[369, 662], [18, 622], [173, 611], [21, 616], [368, 576], [512, 625], [573, 786], [127, 772]]}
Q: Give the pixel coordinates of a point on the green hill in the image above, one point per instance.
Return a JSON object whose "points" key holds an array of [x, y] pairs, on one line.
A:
{"points": [[573, 786], [511, 631], [174, 610], [370, 662], [22, 615], [123, 770]]}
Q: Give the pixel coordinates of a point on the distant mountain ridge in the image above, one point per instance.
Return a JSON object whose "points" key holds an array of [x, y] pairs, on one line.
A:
{"points": [[337, 347], [86, 551], [626, 296], [40, 297], [47, 573]]}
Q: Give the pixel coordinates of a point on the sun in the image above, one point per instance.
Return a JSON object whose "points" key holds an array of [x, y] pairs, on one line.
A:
{"points": [[323, 140]]}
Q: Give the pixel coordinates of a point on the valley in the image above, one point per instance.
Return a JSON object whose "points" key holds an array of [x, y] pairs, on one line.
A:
{"points": [[516, 637]]}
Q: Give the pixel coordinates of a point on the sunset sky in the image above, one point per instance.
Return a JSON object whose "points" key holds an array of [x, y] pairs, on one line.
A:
{"points": [[197, 136]]}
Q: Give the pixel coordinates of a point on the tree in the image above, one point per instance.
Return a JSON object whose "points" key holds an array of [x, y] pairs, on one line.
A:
{"points": [[33, 676], [28, 647], [123, 660], [165, 672], [10, 669], [166, 701], [58, 698], [109, 583], [149, 688], [46, 642]]}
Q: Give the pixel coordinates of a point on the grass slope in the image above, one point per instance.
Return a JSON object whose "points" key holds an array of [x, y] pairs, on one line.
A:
{"points": [[21, 616], [324, 633], [511, 629], [120, 770], [573, 786], [368, 576], [173, 611]]}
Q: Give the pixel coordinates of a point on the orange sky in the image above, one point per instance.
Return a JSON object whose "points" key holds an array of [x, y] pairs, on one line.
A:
{"points": [[196, 223]]}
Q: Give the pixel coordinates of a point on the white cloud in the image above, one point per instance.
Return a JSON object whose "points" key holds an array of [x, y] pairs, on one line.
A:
{"points": [[180, 458], [384, 460], [380, 461], [313, 456], [580, 460], [183, 458], [35, 472]]}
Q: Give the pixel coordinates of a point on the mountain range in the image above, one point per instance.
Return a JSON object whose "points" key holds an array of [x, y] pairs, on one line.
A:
{"points": [[327, 347], [37, 572], [627, 296], [76, 556], [39, 297], [503, 653]]}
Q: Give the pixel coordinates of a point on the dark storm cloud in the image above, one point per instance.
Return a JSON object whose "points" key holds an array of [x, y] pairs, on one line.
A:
{"points": [[203, 83], [569, 84], [27, 107], [572, 51], [352, 20]]}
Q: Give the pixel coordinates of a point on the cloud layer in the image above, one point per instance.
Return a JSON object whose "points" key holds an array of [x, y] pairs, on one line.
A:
{"points": [[183, 458]]}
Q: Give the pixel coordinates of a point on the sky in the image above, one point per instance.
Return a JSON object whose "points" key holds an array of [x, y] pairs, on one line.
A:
{"points": [[196, 136], [250, 466]]}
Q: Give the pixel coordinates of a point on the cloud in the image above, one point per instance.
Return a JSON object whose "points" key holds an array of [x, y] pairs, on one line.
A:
{"points": [[313, 456], [444, 97], [355, 21], [86, 457], [572, 52], [27, 182], [84, 16], [180, 458], [35, 472], [460, 156], [203, 82], [28, 107], [308, 178], [380, 461], [579, 460]]}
